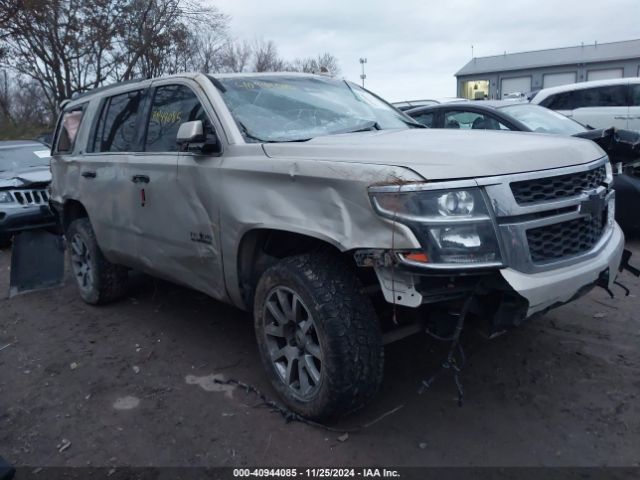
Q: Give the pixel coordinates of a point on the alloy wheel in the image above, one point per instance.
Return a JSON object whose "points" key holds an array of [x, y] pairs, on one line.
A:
{"points": [[81, 263], [292, 341]]}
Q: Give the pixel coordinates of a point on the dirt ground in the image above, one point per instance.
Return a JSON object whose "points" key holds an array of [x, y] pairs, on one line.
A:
{"points": [[130, 384]]}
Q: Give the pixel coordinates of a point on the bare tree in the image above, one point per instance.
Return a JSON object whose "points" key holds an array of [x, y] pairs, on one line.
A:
{"points": [[54, 49], [324, 63], [22, 114], [234, 57], [62, 44], [266, 57], [70, 46], [164, 36], [209, 51]]}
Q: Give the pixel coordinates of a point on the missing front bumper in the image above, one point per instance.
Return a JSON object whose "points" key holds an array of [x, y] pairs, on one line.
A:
{"points": [[502, 298], [556, 287]]}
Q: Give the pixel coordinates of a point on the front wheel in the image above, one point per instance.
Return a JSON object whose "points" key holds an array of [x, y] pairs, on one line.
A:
{"points": [[318, 335]]}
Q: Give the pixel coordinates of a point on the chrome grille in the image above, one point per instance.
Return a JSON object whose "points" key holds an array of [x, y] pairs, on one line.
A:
{"points": [[563, 227], [566, 239], [559, 187], [30, 197]]}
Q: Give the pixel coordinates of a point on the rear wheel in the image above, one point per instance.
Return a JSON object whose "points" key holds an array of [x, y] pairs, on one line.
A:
{"points": [[318, 335], [99, 281]]}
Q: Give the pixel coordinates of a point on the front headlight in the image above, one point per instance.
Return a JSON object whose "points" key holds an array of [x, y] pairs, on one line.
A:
{"points": [[5, 197], [453, 226]]}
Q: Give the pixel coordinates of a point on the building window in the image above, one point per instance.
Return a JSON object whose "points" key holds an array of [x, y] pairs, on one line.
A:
{"points": [[475, 89]]}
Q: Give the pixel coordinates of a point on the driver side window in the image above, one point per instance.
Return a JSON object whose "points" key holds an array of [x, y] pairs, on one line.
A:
{"points": [[172, 106]]}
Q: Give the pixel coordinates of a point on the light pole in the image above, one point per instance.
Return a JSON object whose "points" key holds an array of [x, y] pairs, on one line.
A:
{"points": [[363, 75]]}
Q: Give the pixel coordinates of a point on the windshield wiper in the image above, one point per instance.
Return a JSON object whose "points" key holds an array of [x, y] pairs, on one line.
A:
{"points": [[364, 127], [250, 135]]}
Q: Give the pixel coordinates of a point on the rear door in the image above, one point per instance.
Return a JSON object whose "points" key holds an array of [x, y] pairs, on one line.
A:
{"points": [[103, 183]]}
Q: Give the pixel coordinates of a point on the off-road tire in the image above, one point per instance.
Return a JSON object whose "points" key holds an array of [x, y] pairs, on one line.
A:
{"points": [[347, 328], [109, 279]]}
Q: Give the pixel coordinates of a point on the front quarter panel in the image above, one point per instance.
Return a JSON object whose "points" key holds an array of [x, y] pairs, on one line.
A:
{"points": [[321, 199]]}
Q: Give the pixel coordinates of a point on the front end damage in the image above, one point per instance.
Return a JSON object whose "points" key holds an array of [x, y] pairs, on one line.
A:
{"points": [[500, 298], [502, 249]]}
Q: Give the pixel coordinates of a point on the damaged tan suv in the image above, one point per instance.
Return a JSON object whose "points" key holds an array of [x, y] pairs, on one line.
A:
{"points": [[338, 221]]}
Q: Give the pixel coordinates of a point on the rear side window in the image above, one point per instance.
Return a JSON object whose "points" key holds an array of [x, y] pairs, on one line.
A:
{"points": [[612, 96], [425, 118], [172, 106], [116, 130], [559, 101], [68, 129], [635, 95]]}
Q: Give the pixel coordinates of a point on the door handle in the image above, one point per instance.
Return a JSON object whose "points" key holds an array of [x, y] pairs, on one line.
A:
{"points": [[89, 174], [140, 179], [622, 117]]}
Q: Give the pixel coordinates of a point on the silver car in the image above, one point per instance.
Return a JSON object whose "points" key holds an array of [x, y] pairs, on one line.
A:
{"points": [[335, 219], [24, 179]]}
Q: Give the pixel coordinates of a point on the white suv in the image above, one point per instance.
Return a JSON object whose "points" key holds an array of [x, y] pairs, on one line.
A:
{"points": [[600, 104]]}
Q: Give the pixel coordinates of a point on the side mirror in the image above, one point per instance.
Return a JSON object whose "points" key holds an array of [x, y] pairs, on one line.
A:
{"points": [[190, 132], [191, 137]]}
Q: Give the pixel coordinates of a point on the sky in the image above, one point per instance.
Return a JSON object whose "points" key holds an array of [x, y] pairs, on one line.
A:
{"points": [[413, 48]]}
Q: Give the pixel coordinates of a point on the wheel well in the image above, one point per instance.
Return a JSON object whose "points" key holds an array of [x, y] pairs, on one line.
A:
{"points": [[72, 211], [261, 248]]}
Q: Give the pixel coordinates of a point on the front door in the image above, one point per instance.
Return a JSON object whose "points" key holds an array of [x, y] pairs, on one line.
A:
{"points": [[177, 218]]}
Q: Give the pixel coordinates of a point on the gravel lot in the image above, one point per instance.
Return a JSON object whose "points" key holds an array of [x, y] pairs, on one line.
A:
{"points": [[131, 384]]}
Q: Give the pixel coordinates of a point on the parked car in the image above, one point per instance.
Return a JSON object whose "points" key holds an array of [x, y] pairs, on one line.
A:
{"points": [[622, 146], [409, 104], [44, 137], [24, 178], [313, 203], [600, 104]]}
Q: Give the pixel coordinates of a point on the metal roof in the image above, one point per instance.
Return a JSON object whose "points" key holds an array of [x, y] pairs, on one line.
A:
{"points": [[596, 52]]}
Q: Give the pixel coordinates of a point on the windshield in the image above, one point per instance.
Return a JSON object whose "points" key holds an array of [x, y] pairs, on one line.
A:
{"points": [[543, 120], [17, 158], [288, 109]]}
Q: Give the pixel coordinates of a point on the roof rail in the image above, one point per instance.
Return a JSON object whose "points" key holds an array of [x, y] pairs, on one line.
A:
{"points": [[76, 95]]}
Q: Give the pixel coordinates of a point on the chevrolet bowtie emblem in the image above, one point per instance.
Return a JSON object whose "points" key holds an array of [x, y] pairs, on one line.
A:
{"points": [[594, 205]]}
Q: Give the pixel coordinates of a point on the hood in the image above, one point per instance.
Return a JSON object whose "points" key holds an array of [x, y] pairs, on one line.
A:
{"points": [[439, 154], [24, 178]]}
